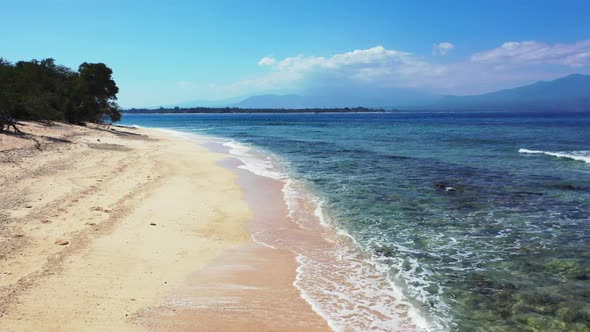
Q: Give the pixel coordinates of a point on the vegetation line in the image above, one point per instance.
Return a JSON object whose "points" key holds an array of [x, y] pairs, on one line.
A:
{"points": [[43, 91], [252, 110]]}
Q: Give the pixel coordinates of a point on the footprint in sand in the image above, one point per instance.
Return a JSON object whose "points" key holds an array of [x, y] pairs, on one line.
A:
{"points": [[98, 208]]}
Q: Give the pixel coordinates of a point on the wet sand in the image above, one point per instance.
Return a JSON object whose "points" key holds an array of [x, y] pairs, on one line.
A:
{"points": [[266, 287], [250, 287], [332, 274]]}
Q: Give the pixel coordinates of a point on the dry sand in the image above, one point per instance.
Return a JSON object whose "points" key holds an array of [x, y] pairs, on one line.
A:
{"points": [[101, 229]]}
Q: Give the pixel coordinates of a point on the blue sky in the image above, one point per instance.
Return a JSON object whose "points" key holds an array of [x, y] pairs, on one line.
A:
{"points": [[175, 51]]}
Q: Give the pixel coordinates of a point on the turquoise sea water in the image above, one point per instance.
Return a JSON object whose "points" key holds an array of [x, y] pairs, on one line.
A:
{"points": [[507, 250]]}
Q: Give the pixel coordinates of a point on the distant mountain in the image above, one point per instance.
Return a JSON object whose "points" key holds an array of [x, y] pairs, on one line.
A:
{"points": [[279, 101], [377, 98], [203, 103], [569, 93]]}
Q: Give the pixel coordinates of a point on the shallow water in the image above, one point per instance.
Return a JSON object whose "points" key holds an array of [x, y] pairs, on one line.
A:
{"points": [[508, 249]]}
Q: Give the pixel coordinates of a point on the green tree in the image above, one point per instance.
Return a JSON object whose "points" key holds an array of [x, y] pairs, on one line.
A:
{"points": [[43, 90], [95, 92], [6, 86]]}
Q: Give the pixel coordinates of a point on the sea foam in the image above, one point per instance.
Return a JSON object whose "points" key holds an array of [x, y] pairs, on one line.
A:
{"points": [[254, 162], [575, 155]]}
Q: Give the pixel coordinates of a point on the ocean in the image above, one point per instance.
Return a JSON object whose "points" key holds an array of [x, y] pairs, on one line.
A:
{"points": [[480, 221]]}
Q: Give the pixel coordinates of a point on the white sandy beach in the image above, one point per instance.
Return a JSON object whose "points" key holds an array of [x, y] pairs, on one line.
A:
{"points": [[104, 229]]}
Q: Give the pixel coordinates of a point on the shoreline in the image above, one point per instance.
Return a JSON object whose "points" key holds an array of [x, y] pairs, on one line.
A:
{"points": [[253, 284], [333, 276], [89, 260], [306, 275]]}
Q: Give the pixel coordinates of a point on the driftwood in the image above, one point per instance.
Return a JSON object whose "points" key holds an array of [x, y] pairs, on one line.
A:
{"points": [[7, 122]]}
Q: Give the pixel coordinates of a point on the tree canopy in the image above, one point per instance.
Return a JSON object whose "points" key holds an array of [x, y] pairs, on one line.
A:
{"points": [[43, 90]]}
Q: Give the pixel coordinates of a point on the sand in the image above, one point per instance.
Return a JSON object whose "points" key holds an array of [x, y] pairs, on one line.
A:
{"points": [[102, 229], [251, 286]]}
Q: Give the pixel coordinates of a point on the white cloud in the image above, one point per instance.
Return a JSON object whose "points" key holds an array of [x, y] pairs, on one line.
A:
{"points": [[536, 53], [377, 65], [267, 61], [442, 48], [369, 56], [361, 70]]}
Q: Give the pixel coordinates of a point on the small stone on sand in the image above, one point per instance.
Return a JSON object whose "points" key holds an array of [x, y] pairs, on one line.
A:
{"points": [[62, 242], [153, 223]]}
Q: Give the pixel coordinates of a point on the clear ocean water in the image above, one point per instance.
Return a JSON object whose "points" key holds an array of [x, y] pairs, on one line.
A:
{"points": [[506, 249]]}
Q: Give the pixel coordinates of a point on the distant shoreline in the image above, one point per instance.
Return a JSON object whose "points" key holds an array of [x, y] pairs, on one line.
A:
{"points": [[235, 110], [273, 112], [372, 111]]}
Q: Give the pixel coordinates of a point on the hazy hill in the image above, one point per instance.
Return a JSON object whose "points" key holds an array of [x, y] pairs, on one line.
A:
{"points": [[569, 93], [374, 98]]}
